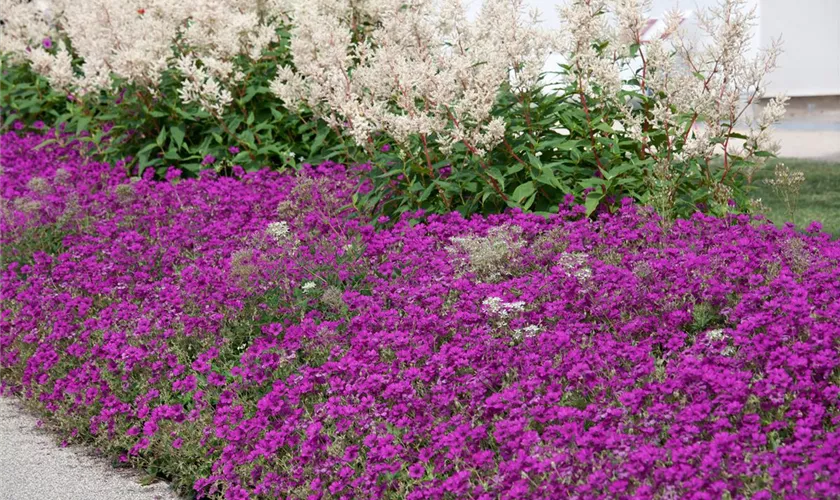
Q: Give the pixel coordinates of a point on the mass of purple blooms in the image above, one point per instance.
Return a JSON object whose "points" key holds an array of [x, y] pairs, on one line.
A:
{"points": [[254, 336]]}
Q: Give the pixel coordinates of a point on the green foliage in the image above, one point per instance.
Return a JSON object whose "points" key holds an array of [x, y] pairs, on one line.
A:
{"points": [[546, 154], [560, 143], [27, 97]]}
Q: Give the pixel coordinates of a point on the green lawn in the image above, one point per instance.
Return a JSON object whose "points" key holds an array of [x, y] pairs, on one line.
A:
{"points": [[819, 196]]}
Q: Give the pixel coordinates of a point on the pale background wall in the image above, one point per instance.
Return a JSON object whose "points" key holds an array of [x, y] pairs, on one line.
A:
{"points": [[810, 30]]}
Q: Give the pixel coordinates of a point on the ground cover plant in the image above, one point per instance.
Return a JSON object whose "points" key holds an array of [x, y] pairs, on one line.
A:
{"points": [[246, 336]]}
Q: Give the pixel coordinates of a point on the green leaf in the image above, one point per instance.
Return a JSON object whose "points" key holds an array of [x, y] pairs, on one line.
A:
{"points": [[44, 143], [171, 153], [514, 169], [248, 138], [249, 94], [592, 203], [426, 192], [529, 202], [497, 175], [615, 172], [82, 124], [560, 144], [592, 182], [603, 127], [319, 140], [161, 138], [548, 178], [523, 191], [177, 132]]}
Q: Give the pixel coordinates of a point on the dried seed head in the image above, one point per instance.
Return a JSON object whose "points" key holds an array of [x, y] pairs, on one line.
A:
{"points": [[489, 257], [38, 185], [124, 193], [332, 298]]}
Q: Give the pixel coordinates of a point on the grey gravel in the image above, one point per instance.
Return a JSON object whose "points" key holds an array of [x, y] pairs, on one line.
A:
{"points": [[34, 467]]}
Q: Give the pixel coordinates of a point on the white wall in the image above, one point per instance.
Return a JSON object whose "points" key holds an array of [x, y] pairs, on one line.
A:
{"points": [[810, 30]]}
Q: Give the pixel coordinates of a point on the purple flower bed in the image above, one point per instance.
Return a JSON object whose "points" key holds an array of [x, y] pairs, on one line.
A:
{"points": [[252, 337]]}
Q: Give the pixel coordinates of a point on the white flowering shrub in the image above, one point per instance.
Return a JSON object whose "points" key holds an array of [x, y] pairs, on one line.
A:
{"points": [[421, 69], [666, 134], [159, 83], [475, 129], [418, 82], [451, 113]]}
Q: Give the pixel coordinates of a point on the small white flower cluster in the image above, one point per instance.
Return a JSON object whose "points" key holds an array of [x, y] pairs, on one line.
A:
{"points": [[784, 177], [489, 256], [574, 265], [715, 335], [496, 307], [309, 285], [527, 332], [718, 334], [278, 231], [202, 87], [38, 185]]}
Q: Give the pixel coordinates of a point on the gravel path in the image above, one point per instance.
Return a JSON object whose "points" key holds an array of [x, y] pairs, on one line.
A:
{"points": [[34, 467]]}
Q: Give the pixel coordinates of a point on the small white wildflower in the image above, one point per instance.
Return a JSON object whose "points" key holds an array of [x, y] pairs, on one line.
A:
{"points": [[512, 307], [493, 304], [573, 264], [715, 335], [529, 331], [583, 274], [309, 285], [278, 230]]}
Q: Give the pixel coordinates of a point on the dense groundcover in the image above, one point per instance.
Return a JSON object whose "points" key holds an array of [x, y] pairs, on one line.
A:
{"points": [[249, 336]]}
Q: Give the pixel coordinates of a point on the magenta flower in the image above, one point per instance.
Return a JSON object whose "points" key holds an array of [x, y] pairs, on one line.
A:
{"points": [[208, 160], [514, 355]]}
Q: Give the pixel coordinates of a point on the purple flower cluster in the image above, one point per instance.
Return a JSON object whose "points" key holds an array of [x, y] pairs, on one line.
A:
{"points": [[262, 333]]}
